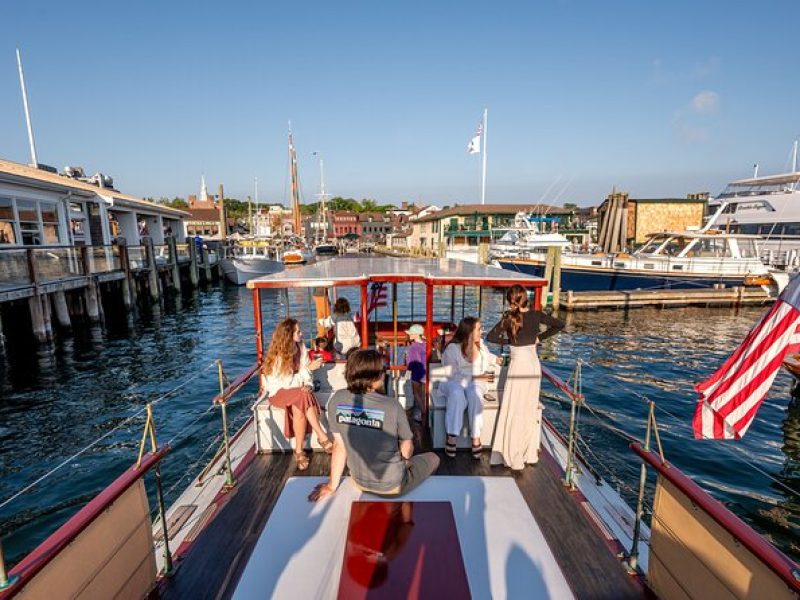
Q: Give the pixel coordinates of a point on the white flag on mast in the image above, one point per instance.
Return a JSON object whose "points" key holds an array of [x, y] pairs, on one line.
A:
{"points": [[474, 146]]}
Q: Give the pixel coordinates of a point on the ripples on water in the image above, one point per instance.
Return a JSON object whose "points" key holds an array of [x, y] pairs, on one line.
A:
{"points": [[101, 378]]}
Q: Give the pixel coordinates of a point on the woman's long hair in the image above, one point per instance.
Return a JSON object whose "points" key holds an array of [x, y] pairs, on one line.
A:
{"points": [[512, 319], [280, 354], [342, 306], [463, 332]]}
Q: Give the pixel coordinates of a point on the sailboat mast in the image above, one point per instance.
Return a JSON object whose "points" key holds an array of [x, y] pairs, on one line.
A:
{"points": [[258, 207], [295, 186], [322, 216]]}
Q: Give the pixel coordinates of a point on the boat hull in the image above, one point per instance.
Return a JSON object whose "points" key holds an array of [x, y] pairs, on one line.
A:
{"points": [[241, 270], [586, 279]]}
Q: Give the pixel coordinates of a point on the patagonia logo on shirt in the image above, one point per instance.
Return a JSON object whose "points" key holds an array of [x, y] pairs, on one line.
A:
{"points": [[359, 416]]}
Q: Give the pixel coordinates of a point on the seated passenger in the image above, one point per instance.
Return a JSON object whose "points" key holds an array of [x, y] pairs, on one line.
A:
{"points": [[469, 368], [371, 435], [321, 350], [345, 332], [286, 378]]}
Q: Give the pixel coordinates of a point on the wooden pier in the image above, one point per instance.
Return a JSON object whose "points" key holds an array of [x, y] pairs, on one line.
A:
{"points": [[63, 285], [666, 298]]}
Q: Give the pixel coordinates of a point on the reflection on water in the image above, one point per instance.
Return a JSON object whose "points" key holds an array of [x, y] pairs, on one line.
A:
{"points": [[54, 403]]}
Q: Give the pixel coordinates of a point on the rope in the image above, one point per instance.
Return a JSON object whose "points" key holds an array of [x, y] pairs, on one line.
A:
{"points": [[65, 462], [736, 453], [91, 445]]}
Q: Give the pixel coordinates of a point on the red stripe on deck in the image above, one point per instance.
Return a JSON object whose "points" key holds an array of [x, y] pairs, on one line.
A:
{"points": [[402, 550]]}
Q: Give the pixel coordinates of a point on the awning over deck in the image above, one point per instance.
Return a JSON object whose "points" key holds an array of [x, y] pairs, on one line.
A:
{"points": [[342, 271]]}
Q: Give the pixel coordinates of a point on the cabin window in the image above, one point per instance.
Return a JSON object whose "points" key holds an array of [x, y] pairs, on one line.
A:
{"points": [[710, 248], [597, 263], [620, 265], [791, 229], [677, 267], [649, 266]]}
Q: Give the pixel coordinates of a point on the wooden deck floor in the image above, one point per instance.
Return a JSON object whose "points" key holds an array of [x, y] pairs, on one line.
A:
{"points": [[213, 565]]}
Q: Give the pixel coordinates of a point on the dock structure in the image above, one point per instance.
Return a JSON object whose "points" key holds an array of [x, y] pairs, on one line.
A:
{"points": [[666, 298], [64, 284], [70, 244]]}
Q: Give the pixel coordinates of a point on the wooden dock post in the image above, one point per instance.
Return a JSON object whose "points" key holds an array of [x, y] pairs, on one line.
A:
{"points": [[548, 271], [483, 253], [47, 316], [61, 310], [90, 295], [206, 264], [556, 276], [128, 283], [2, 336], [37, 319], [173, 259], [152, 268], [194, 274]]}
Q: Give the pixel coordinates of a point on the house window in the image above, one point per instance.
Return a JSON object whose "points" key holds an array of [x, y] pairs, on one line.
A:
{"points": [[50, 228], [7, 233], [29, 223]]}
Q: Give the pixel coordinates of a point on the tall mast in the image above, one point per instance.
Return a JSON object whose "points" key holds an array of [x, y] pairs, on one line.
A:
{"points": [[295, 186], [34, 159], [794, 157], [258, 207], [485, 136]]}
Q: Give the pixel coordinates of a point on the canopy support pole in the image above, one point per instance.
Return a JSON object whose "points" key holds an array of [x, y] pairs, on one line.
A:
{"points": [[428, 348], [257, 316], [364, 316]]}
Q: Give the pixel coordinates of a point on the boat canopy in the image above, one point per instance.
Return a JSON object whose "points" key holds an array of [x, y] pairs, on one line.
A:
{"points": [[780, 179], [342, 271]]}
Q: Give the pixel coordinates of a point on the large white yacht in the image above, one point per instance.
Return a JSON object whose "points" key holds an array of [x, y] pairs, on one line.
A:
{"points": [[767, 206]]}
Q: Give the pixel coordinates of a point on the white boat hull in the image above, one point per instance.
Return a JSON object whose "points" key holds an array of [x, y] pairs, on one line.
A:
{"points": [[242, 269]]}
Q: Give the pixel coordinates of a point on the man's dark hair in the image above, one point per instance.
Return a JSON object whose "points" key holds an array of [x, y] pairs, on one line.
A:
{"points": [[364, 368]]}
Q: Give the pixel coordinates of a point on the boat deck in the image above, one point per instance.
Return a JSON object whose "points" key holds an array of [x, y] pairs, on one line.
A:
{"points": [[214, 564]]}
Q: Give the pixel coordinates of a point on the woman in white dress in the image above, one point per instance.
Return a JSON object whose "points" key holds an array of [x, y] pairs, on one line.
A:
{"points": [[469, 369], [518, 432]]}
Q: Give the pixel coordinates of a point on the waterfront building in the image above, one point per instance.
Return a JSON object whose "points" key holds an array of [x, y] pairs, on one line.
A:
{"points": [[472, 224], [645, 216], [207, 217], [375, 226], [43, 207], [344, 223]]}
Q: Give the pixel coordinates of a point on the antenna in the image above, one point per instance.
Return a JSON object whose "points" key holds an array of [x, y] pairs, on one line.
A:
{"points": [[755, 171], [34, 160], [794, 157]]}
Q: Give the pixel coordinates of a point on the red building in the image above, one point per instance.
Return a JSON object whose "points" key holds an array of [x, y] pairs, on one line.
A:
{"points": [[344, 222]]}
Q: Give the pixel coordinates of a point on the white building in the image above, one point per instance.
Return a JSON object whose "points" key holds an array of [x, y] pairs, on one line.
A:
{"points": [[41, 208]]}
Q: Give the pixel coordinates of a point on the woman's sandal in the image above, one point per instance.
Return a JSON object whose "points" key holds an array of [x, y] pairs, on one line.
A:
{"points": [[450, 447], [327, 445], [301, 460], [477, 451]]}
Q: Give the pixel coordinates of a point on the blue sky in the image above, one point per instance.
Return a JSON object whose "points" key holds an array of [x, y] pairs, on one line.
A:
{"points": [[657, 99]]}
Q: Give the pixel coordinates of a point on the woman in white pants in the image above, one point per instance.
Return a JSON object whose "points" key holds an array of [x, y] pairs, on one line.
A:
{"points": [[469, 368]]}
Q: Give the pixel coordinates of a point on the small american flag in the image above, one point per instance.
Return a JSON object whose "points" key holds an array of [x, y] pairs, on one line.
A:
{"points": [[377, 296], [730, 398]]}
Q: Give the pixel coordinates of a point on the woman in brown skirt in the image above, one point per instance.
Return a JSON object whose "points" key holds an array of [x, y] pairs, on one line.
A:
{"points": [[286, 378]]}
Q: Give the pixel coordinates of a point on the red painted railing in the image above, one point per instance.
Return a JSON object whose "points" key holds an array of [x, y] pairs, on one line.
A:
{"points": [[237, 384], [773, 558], [37, 560]]}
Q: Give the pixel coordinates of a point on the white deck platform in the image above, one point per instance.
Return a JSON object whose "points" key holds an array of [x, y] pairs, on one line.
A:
{"points": [[299, 553]]}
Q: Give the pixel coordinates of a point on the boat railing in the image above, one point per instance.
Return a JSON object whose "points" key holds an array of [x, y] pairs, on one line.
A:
{"points": [[693, 540], [106, 549]]}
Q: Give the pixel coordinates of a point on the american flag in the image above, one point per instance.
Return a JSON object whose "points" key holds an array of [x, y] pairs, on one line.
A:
{"points": [[377, 296], [730, 398]]}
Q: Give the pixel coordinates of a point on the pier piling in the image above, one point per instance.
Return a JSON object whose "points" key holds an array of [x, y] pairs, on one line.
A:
{"points": [[173, 260], [90, 295], [206, 264], [194, 274], [61, 310], [152, 267], [37, 319]]}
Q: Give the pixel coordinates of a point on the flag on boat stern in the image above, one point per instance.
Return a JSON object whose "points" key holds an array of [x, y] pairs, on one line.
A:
{"points": [[377, 296], [730, 398], [474, 146]]}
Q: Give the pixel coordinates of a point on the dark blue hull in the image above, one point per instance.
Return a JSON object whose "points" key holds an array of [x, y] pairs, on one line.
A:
{"points": [[580, 279]]}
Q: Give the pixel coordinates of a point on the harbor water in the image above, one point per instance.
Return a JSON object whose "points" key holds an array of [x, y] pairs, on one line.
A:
{"points": [[94, 386]]}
